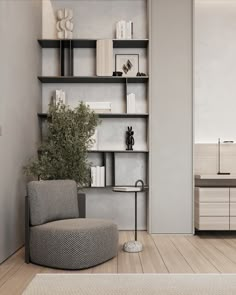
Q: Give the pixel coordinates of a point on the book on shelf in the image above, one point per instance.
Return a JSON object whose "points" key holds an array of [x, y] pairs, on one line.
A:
{"points": [[59, 96], [124, 30], [98, 176], [129, 30], [99, 107], [131, 107], [93, 176], [102, 176], [121, 29], [104, 57]]}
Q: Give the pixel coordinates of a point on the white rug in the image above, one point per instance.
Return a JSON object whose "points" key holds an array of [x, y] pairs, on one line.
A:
{"points": [[132, 284]]}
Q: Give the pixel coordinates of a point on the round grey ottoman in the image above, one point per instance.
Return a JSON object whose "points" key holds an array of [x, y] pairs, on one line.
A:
{"points": [[73, 243]]}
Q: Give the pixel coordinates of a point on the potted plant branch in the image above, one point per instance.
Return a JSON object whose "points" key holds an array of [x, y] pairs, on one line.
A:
{"points": [[64, 153]]}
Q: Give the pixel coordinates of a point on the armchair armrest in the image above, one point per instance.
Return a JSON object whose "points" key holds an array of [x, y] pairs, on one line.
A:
{"points": [[82, 205]]}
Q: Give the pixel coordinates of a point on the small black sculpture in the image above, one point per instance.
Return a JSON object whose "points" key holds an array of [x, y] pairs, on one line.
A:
{"points": [[141, 74], [117, 73], [129, 139]]}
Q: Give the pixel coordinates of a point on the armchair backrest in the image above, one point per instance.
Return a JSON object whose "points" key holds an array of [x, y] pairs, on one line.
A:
{"points": [[51, 200]]}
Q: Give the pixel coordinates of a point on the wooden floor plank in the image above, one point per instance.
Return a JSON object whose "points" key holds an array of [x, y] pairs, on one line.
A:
{"points": [[198, 262], [162, 253], [224, 247], [107, 267], [173, 259], [128, 262], [21, 278], [150, 257], [217, 258], [231, 241], [11, 265]]}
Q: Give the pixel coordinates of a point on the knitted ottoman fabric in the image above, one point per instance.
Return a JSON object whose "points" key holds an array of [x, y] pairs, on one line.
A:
{"points": [[73, 243]]}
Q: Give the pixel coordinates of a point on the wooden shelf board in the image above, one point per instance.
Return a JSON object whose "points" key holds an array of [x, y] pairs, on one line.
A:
{"points": [[91, 43], [91, 79]]}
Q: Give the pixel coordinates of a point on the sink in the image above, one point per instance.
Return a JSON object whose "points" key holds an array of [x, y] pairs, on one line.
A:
{"points": [[215, 180]]}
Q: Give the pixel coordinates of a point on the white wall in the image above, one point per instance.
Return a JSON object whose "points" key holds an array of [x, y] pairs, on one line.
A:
{"points": [[215, 70], [20, 60], [171, 181]]}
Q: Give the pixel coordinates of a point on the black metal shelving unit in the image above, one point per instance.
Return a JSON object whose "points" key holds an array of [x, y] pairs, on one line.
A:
{"points": [[91, 43], [72, 44], [91, 79], [106, 115]]}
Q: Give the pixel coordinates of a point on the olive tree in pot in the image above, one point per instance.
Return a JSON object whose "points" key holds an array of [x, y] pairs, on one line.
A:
{"points": [[64, 153]]}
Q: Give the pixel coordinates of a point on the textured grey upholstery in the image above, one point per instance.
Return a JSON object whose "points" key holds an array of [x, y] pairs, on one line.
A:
{"points": [[52, 200], [56, 237], [73, 243]]}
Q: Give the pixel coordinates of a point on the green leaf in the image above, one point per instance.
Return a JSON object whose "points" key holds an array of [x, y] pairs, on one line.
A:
{"points": [[63, 155]]}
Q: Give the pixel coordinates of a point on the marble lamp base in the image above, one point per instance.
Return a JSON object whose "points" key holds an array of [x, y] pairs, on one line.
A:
{"points": [[133, 247]]}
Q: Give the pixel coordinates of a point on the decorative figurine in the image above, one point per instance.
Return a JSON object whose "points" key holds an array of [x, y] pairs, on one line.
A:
{"points": [[64, 24], [141, 74], [129, 139], [117, 74]]}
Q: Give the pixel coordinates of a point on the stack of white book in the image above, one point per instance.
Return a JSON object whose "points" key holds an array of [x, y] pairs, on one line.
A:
{"points": [[124, 30], [59, 96], [131, 107], [98, 176], [104, 57], [99, 107]]}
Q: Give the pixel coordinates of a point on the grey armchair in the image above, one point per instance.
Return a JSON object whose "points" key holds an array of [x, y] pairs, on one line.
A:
{"points": [[58, 235]]}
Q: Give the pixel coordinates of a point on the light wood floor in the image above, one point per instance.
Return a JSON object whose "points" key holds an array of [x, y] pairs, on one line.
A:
{"points": [[162, 254]]}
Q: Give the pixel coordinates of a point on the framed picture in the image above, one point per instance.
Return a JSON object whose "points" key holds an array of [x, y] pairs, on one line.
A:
{"points": [[128, 64]]}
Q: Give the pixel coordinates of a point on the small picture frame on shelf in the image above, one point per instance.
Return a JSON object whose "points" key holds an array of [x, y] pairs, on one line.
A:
{"points": [[128, 64]]}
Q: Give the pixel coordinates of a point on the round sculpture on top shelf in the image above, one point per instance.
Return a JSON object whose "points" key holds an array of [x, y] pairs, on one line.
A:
{"points": [[64, 23]]}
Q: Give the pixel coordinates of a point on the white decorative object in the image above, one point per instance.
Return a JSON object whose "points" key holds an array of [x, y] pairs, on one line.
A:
{"points": [[99, 107], [131, 109], [64, 23], [98, 176], [124, 30], [121, 29], [129, 30], [133, 247], [104, 58], [93, 177], [102, 176], [60, 97]]}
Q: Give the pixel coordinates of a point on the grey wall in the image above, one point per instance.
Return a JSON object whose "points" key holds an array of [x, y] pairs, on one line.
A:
{"points": [[96, 18], [20, 60], [171, 118]]}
